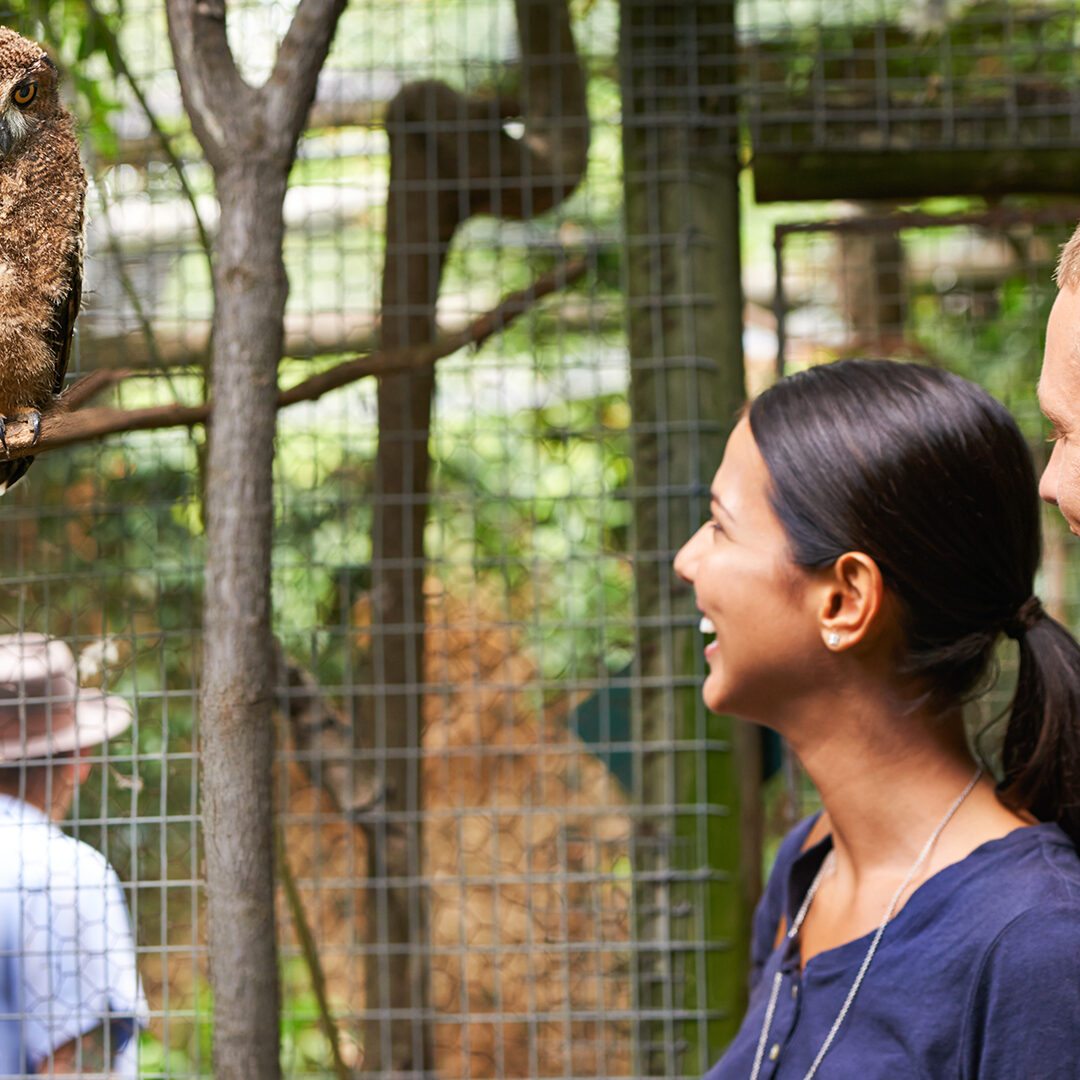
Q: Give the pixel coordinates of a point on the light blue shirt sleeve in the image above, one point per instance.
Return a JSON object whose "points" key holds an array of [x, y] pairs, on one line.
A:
{"points": [[76, 963]]}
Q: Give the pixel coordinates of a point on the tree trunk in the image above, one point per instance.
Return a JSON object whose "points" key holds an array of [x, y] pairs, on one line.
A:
{"points": [[249, 137], [237, 684], [695, 850]]}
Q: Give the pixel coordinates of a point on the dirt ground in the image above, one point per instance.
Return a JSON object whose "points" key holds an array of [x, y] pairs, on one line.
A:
{"points": [[526, 856]]}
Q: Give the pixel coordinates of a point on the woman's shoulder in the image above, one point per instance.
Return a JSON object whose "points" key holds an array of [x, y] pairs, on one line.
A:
{"points": [[986, 905], [1032, 868], [1020, 1015]]}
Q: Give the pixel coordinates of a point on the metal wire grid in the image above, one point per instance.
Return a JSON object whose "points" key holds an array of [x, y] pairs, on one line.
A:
{"points": [[881, 75], [527, 753]]}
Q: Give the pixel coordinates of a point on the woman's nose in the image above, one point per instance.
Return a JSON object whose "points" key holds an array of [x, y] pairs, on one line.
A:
{"points": [[686, 559]]}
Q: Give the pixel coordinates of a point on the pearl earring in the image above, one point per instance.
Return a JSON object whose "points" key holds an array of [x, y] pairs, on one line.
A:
{"points": [[833, 640]]}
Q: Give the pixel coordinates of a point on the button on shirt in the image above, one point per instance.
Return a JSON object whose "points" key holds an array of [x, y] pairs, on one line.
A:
{"points": [[67, 959], [976, 978]]}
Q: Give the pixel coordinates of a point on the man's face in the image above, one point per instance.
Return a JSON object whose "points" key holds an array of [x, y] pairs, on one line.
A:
{"points": [[1059, 399]]}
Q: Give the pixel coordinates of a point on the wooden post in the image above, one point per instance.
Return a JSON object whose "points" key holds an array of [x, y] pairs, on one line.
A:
{"points": [[696, 844]]}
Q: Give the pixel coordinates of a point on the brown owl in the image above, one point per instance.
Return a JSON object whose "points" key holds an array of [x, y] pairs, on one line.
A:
{"points": [[42, 191]]}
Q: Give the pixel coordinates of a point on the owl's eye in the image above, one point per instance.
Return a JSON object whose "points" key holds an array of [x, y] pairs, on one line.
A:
{"points": [[24, 94]]}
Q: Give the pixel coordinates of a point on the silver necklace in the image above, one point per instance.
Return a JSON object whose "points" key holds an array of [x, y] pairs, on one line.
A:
{"points": [[797, 922]]}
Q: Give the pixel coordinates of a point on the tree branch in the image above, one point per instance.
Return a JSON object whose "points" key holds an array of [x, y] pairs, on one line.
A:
{"points": [[290, 90], [310, 949], [207, 73], [62, 425], [385, 361]]}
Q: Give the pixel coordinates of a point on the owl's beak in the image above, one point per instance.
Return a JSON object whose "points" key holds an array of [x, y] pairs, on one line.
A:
{"points": [[7, 137]]}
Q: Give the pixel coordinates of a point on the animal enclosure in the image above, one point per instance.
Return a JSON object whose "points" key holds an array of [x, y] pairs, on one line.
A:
{"points": [[457, 834], [507, 845]]}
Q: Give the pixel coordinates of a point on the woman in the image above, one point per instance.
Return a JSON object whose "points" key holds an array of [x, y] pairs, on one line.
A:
{"points": [[874, 533]]}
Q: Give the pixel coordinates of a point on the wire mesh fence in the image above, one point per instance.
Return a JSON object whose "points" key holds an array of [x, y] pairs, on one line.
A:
{"points": [[470, 844], [925, 98], [515, 899], [910, 76]]}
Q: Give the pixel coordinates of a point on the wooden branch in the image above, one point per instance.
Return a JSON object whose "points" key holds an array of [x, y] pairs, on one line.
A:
{"points": [[385, 361], [308, 335], [310, 949], [210, 83], [61, 425], [78, 393], [290, 90]]}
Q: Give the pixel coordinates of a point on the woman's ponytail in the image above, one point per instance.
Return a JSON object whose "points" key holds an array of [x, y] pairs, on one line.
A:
{"points": [[1041, 752]]}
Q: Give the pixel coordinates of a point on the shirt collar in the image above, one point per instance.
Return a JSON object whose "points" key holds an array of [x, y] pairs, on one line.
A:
{"points": [[13, 808]]}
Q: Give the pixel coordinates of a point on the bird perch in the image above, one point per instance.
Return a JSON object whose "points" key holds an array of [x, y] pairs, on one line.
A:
{"points": [[66, 422]]}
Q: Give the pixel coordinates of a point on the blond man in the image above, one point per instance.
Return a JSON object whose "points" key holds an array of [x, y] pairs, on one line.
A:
{"points": [[1059, 389]]}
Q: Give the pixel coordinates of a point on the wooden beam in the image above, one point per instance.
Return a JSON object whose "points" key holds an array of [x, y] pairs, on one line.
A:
{"points": [[913, 174]]}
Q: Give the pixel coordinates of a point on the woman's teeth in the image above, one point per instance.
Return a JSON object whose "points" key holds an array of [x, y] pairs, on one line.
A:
{"points": [[706, 626]]}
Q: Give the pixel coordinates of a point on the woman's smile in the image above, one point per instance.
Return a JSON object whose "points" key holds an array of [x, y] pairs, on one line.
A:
{"points": [[706, 627]]}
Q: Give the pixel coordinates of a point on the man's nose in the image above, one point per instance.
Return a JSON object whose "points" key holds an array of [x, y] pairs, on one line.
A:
{"points": [[1049, 481]]}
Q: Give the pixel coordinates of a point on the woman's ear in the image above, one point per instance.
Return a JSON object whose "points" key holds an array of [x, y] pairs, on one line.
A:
{"points": [[851, 599]]}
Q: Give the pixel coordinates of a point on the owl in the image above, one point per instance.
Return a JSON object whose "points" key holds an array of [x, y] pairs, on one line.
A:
{"points": [[42, 193]]}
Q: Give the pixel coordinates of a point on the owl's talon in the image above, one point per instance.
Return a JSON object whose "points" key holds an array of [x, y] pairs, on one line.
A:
{"points": [[3, 433], [33, 419]]}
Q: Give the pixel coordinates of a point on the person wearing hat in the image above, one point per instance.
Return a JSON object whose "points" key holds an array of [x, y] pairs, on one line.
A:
{"points": [[70, 996]]}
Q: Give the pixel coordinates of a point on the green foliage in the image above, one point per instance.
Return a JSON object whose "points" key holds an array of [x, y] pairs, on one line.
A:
{"points": [[539, 506], [85, 49]]}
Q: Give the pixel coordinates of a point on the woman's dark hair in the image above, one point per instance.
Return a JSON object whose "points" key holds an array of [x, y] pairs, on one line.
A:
{"points": [[928, 475]]}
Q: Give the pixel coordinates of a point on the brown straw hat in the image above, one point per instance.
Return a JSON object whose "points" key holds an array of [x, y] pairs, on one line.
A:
{"points": [[43, 711]]}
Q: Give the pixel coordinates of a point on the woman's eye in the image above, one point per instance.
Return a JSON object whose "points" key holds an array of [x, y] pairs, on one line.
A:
{"points": [[716, 526], [24, 94]]}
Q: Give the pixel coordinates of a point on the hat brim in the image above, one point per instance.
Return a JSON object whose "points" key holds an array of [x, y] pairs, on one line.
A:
{"points": [[98, 717]]}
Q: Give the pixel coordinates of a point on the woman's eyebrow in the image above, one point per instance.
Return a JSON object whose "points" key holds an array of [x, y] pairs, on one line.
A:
{"points": [[714, 500]]}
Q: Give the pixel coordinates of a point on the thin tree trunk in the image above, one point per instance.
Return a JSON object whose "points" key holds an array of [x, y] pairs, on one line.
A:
{"points": [[237, 684], [249, 136]]}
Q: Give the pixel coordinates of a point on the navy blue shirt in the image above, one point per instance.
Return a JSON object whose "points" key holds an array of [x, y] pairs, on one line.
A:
{"points": [[976, 978]]}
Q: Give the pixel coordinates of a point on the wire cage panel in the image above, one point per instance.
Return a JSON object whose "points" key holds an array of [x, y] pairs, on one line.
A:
{"points": [[918, 99], [910, 76], [457, 850]]}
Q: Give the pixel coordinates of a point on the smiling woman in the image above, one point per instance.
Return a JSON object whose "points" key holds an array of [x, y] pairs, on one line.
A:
{"points": [[874, 533]]}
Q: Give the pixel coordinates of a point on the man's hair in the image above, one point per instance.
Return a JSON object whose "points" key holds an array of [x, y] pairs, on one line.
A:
{"points": [[1068, 267], [30, 777]]}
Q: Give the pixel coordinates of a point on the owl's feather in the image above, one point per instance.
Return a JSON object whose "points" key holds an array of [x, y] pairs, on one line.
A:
{"points": [[42, 193]]}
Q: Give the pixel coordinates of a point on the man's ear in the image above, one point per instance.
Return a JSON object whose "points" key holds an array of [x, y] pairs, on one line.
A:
{"points": [[82, 766], [852, 595]]}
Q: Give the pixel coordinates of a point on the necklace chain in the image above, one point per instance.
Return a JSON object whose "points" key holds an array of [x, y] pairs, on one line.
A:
{"points": [[797, 922]]}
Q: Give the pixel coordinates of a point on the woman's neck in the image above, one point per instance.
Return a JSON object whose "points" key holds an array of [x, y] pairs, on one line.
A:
{"points": [[887, 775]]}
